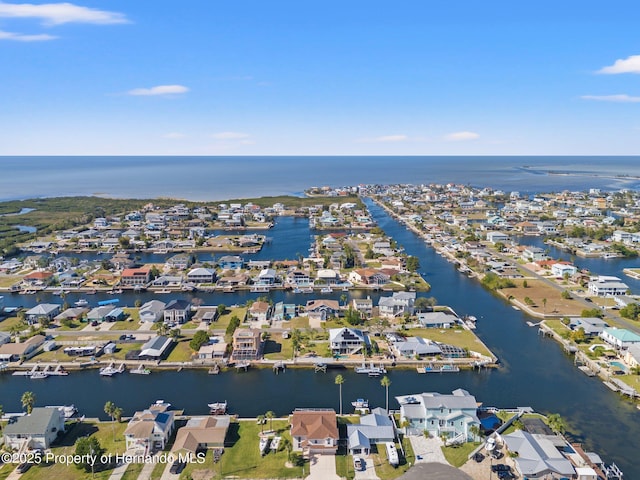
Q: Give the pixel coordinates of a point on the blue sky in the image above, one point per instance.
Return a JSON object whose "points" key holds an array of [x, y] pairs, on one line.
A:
{"points": [[239, 77]]}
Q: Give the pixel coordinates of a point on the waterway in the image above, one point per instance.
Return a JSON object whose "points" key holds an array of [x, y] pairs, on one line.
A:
{"points": [[535, 372]]}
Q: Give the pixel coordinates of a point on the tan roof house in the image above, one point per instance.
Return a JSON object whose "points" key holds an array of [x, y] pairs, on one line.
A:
{"points": [[202, 433], [12, 352], [314, 431]]}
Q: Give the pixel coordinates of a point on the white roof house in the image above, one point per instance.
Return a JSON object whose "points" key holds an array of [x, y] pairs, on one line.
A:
{"points": [[152, 311], [347, 340], [605, 286], [155, 348], [537, 455]]}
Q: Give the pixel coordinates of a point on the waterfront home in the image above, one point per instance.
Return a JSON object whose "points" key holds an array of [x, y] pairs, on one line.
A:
{"points": [[135, 277], [46, 311], [38, 430], [368, 276], [164, 281], [450, 415], [399, 304], [284, 311], [179, 262], [314, 431], [632, 355], [201, 275], [559, 270], [619, 338], [202, 433], [233, 280], [374, 428], [298, 278], [592, 326], [152, 311], [383, 248], [100, 313], [322, 309], [533, 254], [38, 278], [4, 338], [414, 347], [538, 456], [267, 277], [495, 237], [607, 286], [260, 311], [156, 348], [206, 314], [348, 341], [231, 262], [215, 350], [122, 260], [177, 311], [363, 305], [436, 319], [327, 276], [149, 430], [247, 345]]}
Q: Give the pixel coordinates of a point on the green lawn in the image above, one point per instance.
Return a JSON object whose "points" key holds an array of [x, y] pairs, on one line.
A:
{"points": [[189, 326], [122, 350], [223, 320], [74, 325], [133, 470], [453, 336], [297, 322], [243, 459], [181, 352], [8, 323], [128, 324], [157, 471], [6, 281], [386, 471], [458, 455], [277, 348]]}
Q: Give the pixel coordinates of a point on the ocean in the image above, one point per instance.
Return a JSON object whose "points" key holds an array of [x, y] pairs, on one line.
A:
{"points": [[220, 178]]}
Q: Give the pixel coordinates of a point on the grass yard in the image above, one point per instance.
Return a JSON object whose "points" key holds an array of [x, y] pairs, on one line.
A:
{"points": [[133, 470], [8, 323], [458, 456], [181, 352], [223, 321], [386, 471], [7, 280], [297, 322], [243, 459], [156, 473], [537, 291], [128, 324], [277, 348], [121, 351], [453, 336]]}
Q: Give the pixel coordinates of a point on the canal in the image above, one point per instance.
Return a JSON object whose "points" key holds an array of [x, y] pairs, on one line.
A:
{"points": [[535, 372]]}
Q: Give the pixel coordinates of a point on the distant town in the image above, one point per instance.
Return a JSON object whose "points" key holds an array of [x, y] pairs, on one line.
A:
{"points": [[354, 299]]}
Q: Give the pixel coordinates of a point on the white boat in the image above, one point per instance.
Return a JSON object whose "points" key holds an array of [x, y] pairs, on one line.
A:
{"points": [[81, 303], [275, 443], [360, 403], [141, 370], [218, 408], [392, 454], [610, 255], [38, 375], [307, 290], [371, 370], [263, 445], [67, 410], [326, 290], [110, 371]]}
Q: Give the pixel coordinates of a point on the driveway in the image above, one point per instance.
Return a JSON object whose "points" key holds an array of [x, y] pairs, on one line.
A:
{"points": [[368, 473], [323, 467], [427, 450]]}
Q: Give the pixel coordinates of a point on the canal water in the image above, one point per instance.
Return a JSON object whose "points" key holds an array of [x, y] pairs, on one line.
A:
{"points": [[534, 372]]}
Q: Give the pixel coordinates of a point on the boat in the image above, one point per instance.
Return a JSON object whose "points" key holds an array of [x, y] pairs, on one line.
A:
{"points": [[141, 370], [260, 289], [275, 443], [67, 410], [360, 403], [218, 408], [307, 290], [392, 454], [297, 290], [326, 290], [110, 370], [263, 445], [38, 374], [609, 255], [81, 303]]}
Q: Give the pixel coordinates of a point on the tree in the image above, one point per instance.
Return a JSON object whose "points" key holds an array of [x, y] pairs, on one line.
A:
{"points": [[566, 294], [269, 415], [556, 423], [475, 431], [295, 341], [117, 414], [174, 334], [413, 264], [28, 400], [234, 323], [425, 303], [525, 284], [87, 449], [343, 299], [544, 306], [385, 382], [528, 301], [261, 421], [221, 309], [110, 409], [339, 381], [200, 338]]}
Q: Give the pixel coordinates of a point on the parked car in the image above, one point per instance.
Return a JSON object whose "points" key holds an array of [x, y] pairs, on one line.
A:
{"points": [[478, 457], [497, 454], [500, 467], [358, 463], [506, 475], [177, 467]]}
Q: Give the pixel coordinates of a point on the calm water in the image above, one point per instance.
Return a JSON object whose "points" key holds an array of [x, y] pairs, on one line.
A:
{"points": [[535, 373], [219, 178]]}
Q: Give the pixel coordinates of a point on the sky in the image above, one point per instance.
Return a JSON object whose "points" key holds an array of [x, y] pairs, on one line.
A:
{"points": [[347, 77]]}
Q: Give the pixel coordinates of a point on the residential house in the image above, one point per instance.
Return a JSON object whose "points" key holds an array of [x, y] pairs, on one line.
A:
{"points": [[327, 276], [45, 311], [397, 305], [414, 347], [247, 344], [38, 278], [495, 237], [450, 415], [374, 428], [99, 314], [38, 430], [592, 326], [538, 456], [348, 341], [260, 311], [202, 433], [135, 277], [156, 348], [231, 262], [437, 319], [322, 309], [201, 275], [559, 270], [215, 350], [177, 311], [620, 338], [284, 311], [363, 305], [632, 355], [181, 261], [152, 311], [533, 254], [150, 429], [314, 431], [4, 338], [604, 286], [266, 277], [368, 276], [298, 278], [12, 352]]}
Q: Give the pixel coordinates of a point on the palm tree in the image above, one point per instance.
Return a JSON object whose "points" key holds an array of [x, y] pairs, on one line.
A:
{"points": [[110, 409], [261, 422], [28, 399], [270, 416], [385, 382], [544, 306], [475, 431], [339, 381], [556, 423], [175, 334], [117, 413]]}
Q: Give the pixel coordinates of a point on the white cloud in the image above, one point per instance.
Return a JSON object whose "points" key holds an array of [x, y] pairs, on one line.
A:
{"points": [[622, 98], [60, 13], [628, 65], [461, 136], [21, 37], [385, 139], [230, 136], [174, 135], [159, 90]]}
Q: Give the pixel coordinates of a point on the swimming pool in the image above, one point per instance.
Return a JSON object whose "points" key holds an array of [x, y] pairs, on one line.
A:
{"points": [[618, 365]]}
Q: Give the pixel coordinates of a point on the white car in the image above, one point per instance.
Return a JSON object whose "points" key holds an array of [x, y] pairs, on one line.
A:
{"points": [[359, 464]]}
